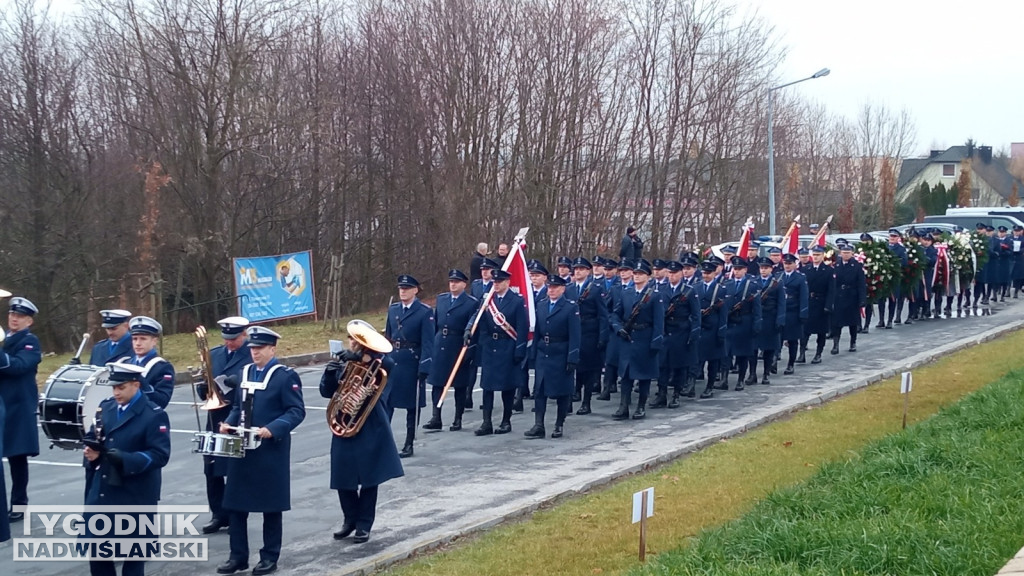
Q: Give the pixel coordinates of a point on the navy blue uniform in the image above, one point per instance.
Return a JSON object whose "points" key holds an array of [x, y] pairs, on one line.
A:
{"points": [[895, 300], [713, 328], [851, 296], [19, 363], [820, 301], [141, 435], [611, 351], [261, 481], [411, 331], [682, 336], [795, 286], [1001, 254], [923, 291], [501, 352], [555, 351], [743, 305], [773, 320], [5, 521], [365, 461], [590, 297], [642, 315], [451, 318], [1017, 266], [107, 351], [228, 364], [158, 379]]}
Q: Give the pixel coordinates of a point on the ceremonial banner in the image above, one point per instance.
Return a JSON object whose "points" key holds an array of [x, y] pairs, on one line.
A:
{"points": [[275, 287], [515, 265], [791, 241], [748, 231]]}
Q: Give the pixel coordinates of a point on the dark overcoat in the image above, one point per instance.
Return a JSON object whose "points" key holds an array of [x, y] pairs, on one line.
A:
{"points": [[412, 334], [743, 305], [682, 327], [593, 321], [638, 356], [795, 285], [713, 320], [369, 458], [1001, 255], [451, 319], [19, 363], [224, 363], [157, 380], [820, 297], [261, 481], [500, 352], [773, 312], [1017, 269], [556, 345], [851, 293], [103, 352], [614, 295]]}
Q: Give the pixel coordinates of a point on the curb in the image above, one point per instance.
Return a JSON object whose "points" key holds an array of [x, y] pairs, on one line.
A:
{"points": [[413, 548]]}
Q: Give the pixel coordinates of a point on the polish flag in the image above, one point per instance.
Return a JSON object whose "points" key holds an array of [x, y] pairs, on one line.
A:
{"points": [[515, 265]]}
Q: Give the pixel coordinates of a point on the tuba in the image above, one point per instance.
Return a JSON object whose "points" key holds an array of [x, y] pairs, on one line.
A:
{"points": [[215, 399], [361, 382]]}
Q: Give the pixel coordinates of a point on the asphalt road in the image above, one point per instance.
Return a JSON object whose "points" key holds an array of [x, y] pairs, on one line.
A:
{"points": [[458, 483]]}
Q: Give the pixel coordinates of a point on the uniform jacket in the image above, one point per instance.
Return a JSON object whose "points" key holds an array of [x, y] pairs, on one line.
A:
{"points": [[369, 458], [18, 365], [1001, 254], [638, 356], [773, 311], [261, 481], [743, 309], [142, 435], [682, 326], [820, 297], [224, 363], [714, 318], [477, 289], [412, 334], [851, 293], [797, 309], [614, 295], [500, 353], [102, 352], [158, 380], [556, 345], [593, 321], [450, 321]]}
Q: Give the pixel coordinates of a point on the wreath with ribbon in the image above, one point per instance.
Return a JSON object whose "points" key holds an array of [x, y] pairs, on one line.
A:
{"points": [[881, 269]]}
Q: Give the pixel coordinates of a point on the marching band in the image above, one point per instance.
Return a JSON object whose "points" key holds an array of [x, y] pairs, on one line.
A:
{"points": [[602, 327]]}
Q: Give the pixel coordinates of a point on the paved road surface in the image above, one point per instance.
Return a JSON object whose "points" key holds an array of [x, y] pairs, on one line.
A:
{"points": [[458, 482]]}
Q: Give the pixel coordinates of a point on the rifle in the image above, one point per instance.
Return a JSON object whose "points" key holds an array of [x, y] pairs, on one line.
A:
{"points": [[628, 326], [715, 303]]}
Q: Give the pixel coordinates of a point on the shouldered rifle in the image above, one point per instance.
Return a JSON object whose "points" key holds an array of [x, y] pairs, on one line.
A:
{"points": [[628, 326], [715, 302], [743, 298], [772, 284]]}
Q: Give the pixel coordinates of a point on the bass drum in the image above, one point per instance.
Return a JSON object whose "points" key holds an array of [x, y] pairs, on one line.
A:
{"points": [[69, 402]]}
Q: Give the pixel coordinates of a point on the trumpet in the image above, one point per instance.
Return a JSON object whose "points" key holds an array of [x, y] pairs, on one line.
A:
{"points": [[215, 399]]}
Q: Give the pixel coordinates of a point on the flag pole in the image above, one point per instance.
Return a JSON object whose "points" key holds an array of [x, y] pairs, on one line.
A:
{"points": [[517, 242]]}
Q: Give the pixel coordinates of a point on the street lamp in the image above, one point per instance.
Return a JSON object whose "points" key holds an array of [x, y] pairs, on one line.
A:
{"points": [[771, 146]]}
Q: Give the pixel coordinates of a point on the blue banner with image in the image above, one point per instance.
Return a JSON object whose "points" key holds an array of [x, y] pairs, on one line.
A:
{"points": [[275, 287]]}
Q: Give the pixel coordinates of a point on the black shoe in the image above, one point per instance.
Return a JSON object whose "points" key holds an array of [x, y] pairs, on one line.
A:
{"points": [[485, 429], [739, 386], [835, 348], [801, 359], [721, 386], [264, 567], [346, 529], [764, 381], [640, 413], [406, 451], [864, 330], [880, 324], [517, 406], [503, 428], [361, 536], [584, 410], [558, 431], [674, 402], [888, 326], [853, 347], [788, 370], [536, 432], [604, 395], [707, 393], [909, 321], [215, 525], [752, 379], [899, 321], [621, 414], [775, 369], [614, 389], [816, 359], [577, 397], [456, 425], [16, 516], [232, 566], [433, 424], [659, 401]]}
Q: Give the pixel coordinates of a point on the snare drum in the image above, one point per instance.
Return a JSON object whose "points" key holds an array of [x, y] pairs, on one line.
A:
{"points": [[69, 402], [213, 444], [252, 441]]}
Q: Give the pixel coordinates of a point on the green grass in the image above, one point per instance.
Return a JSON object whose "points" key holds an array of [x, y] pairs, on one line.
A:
{"points": [[180, 349], [944, 497], [591, 534]]}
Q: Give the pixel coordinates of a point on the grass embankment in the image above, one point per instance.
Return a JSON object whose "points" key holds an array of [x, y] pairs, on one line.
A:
{"points": [[945, 497], [180, 349], [592, 534]]}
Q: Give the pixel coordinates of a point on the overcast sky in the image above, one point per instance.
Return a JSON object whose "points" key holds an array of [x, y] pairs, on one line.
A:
{"points": [[956, 66]]}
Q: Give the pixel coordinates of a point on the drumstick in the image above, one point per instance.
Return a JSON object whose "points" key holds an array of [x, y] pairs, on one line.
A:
{"points": [[85, 338]]}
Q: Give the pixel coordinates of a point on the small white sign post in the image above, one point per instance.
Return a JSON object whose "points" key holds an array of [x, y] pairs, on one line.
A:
{"points": [[643, 508], [906, 383]]}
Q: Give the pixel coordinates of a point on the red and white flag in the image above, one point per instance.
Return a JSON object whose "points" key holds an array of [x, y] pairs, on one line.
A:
{"points": [[819, 238], [791, 241], [515, 265], [748, 231]]}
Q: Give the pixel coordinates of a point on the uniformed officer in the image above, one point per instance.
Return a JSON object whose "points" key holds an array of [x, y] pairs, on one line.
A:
{"points": [[1002, 255], [611, 354], [804, 256], [118, 342], [690, 263], [158, 378], [728, 253], [538, 286], [820, 299], [455, 310], [851, 297], [895, 300], [866, 238], [564, 268], [538, 280], [638, 320], [743, 305], [501, 336], [1017, 267], [19, 363], [411, 331], [124, 452], [477, 289], [682, 332], [556, 352], [775, 255], [753, 249], [269, 402], [930, 289], [713, 325], [226, 363], [773, 317], [795, 285], [981, 276], [588, 293], [5, 519], [361, 463], [660, 276]]}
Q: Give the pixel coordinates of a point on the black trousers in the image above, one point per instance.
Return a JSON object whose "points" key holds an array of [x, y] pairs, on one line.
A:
{"points": [[272, 534], [107, 568], [214, 490], [540, 407], [359, 506], [507, 397], [19, 479]]}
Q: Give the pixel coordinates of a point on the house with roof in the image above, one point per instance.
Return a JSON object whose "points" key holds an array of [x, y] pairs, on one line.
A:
{"points": [[991, 182]]}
